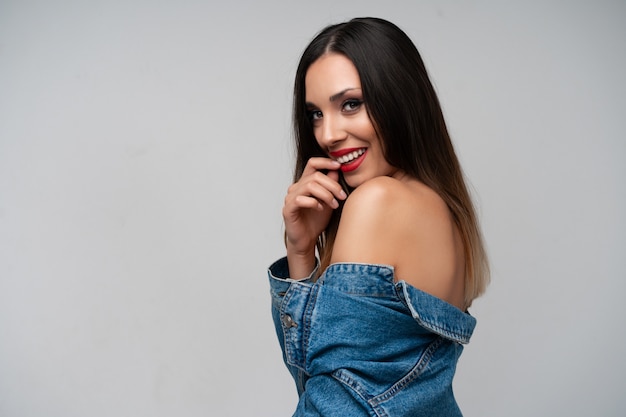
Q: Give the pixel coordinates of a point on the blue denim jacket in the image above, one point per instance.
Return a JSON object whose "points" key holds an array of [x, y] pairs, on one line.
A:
{"points": [[359, 344]]}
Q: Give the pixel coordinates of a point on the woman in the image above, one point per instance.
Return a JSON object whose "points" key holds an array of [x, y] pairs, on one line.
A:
{"points": [[375, 327]]}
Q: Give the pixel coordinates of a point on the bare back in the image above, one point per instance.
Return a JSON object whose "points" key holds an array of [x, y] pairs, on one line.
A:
{"points": [[406, 225]]}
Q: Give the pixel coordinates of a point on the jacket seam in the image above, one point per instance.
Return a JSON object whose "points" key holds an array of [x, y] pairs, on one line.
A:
{"points": [[356, 387], [415, 373], [457, 336], [306, 324]]}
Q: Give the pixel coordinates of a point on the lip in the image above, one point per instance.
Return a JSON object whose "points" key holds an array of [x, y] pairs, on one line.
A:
{"points": [[354, 164], [343, 152]]}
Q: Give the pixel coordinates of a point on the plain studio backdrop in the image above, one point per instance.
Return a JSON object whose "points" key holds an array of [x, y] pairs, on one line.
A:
{"points": [[145, 150]]}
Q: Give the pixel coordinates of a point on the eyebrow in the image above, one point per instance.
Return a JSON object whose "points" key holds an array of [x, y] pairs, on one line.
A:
{"points": [[334, 96], [341, 93]]}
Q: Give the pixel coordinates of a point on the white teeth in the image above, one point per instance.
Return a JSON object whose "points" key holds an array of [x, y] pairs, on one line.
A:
{"points": [[351, 156]]}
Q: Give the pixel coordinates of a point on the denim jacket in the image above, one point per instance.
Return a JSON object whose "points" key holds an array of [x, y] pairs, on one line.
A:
{"points": [[357, 343]]}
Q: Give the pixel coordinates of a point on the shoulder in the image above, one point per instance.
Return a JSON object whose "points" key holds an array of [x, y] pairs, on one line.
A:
{"points": [[385, 213], [381, 192], [390, 204], [404, 224]]}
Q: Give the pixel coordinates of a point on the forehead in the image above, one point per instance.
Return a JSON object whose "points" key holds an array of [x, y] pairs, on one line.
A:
{"points": [[330, 74]]}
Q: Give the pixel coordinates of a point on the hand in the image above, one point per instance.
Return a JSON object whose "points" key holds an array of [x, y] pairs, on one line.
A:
{"points": [[309, 204]]}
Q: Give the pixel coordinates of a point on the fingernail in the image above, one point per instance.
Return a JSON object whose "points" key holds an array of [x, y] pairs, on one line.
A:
{"points": [[343, 194], [335, 203]]}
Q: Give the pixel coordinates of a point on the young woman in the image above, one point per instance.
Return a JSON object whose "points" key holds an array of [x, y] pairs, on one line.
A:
{"points": [[375, 326]]}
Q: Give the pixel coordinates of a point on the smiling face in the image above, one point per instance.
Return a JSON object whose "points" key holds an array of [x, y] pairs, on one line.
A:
{"points": [[341, 123]]}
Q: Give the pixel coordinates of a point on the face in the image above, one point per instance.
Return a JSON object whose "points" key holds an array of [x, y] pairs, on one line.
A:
{"points": [[341, 124]]}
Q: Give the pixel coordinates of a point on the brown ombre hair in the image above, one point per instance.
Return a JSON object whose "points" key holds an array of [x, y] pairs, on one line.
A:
{"points": [[405, 111]]}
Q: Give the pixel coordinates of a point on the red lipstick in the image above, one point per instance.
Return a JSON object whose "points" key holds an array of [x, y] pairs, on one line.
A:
{"points": [[343, 152], [352, 164]]}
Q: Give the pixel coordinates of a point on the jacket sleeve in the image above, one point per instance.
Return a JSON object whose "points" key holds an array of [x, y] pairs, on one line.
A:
{"points": [[280, 283]]}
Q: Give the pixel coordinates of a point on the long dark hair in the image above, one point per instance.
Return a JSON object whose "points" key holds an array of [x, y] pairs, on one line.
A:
{"points": [[405, 111]]}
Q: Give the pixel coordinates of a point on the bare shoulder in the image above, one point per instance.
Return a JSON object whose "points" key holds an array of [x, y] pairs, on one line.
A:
{"points": [[386, 196], [384, 215], [406, 225]]}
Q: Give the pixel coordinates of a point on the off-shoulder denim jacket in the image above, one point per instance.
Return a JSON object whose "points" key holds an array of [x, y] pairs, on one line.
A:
{"points": [[357, 343]]}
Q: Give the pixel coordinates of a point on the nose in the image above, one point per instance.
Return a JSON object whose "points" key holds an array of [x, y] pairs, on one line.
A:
{"points": [[331, 132]]}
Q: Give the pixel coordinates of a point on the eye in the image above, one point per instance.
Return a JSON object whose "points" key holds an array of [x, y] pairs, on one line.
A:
{"points": [[314, 115], [352, 105]]}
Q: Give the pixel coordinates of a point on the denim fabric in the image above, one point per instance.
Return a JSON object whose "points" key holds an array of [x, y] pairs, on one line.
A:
{"points": [[357, 343]]}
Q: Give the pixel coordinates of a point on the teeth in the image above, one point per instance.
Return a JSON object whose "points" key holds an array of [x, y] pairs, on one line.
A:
{"points": [[351, 156]]}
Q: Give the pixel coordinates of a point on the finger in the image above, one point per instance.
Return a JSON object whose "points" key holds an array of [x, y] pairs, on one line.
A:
{"points": [[318, 164], [319, 186], [303, 202], [323, 193], [330, 182], [308, 195], [333, 175], [314, 190], [306, 202]]}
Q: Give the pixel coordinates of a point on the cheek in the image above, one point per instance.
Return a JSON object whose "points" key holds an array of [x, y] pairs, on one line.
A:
{"points": [[367, 131], [365, 125]]}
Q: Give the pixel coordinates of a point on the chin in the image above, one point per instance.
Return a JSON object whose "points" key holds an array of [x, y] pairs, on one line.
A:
{"points": [[354, 181]]}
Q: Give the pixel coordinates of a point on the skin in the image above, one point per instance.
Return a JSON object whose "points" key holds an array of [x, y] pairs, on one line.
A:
{"points": [[405, 225]]}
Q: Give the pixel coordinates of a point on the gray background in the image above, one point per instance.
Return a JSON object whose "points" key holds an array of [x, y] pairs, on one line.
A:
{"points": [[145, 152]]}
